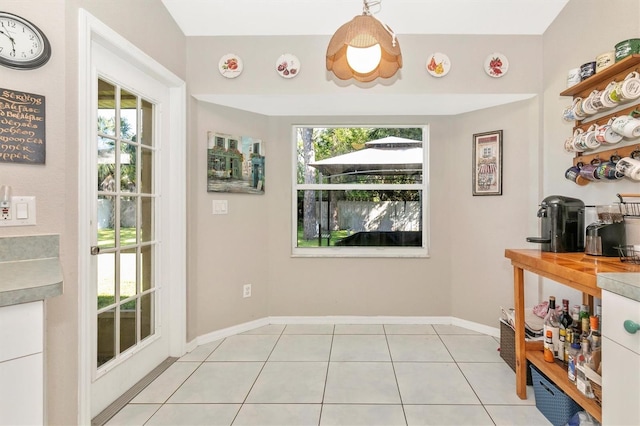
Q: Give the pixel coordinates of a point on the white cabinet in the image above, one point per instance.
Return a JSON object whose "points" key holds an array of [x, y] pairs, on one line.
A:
{"points": [[620, 361], [21, 364]]}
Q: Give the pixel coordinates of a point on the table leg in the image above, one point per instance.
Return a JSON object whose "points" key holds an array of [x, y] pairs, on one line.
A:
{"points": [[521, 356]]}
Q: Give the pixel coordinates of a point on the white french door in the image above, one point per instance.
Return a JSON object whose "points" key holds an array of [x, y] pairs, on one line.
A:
{"points": [[132, 255]]}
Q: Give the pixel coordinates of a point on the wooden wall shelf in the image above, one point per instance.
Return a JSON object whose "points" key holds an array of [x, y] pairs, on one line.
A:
{"points": [[599, 81]]}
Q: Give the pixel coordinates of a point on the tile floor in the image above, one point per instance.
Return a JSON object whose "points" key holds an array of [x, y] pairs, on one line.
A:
{"points": [[339, 374]]}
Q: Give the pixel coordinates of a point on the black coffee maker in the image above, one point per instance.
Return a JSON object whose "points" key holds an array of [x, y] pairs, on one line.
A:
{"points": [[562, 223]]}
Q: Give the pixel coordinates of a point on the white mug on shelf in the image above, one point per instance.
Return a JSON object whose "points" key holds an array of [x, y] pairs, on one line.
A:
{"points": [[630, 167], [627, 125]]}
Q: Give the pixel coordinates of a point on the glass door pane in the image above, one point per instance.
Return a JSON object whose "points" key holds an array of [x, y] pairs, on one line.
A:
{"points": [[125, 222]]}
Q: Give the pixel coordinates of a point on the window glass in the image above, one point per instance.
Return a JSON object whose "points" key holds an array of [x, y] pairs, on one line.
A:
{"points": [[359, 188]]}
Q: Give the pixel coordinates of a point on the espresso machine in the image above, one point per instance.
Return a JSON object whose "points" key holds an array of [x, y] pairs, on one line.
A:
{"points": [[562, 224], [607, 234]]}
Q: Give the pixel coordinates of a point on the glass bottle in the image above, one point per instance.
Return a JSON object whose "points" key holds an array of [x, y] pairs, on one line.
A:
{"points": [[574, 351], [565, 321], [548, 346], [575, 318], [594, 343], [552, 325]]}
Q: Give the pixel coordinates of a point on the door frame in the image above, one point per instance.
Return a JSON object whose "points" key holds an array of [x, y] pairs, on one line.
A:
{"points": [[172, 201]]}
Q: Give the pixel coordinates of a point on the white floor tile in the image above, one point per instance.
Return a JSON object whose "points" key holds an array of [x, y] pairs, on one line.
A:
{"points": [[433, 383], [343, 374], [309, 329], [133, 415], [278, 415], [360, 348], [289, 383], [495, 383], [409, 329], [361, 383], [362, 415], [508, 415], [201, 352], [218, 383], [479, 348], [194, 415], [447, 415], [302, 348], [359, 329], [418, 348], [166, 384], [244, 348]]}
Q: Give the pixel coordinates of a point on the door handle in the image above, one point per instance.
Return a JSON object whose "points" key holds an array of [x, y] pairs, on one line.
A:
{"points": [[631, 326], [95, 250]]}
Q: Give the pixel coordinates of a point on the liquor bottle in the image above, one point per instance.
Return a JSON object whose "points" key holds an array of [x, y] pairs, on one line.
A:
{"points": [[548, 346], [575, 318], [551, 324], [599, 315], [565, 321], [584, 321], [573, 360], [594, 343], [584, 358]]}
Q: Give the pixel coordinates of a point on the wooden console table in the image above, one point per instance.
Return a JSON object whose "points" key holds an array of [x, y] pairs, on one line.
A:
{"points": [[576, 270]]}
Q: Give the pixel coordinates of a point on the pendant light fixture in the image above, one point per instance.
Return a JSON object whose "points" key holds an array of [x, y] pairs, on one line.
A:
{"points": [[364, 48]]}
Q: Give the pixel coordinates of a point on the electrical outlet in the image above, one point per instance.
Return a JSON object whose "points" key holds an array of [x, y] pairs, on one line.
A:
{"points": [[246, 290]]}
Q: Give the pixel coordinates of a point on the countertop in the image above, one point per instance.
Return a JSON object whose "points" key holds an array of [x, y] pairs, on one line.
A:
{"points": [[624, 284], [30, 269]]}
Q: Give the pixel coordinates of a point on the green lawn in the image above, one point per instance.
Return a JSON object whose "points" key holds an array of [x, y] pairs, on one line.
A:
{"points": [[335, 236], [106, 237]]}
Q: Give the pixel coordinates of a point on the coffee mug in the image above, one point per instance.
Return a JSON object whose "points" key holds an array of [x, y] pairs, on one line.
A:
{"points": [[605, 96], [605, 60], [588, 171], [573, 174], [627, 126], [573, 77], [578, 112], [629, 88], [606, 135], [574, 111], [588, 140], [572, 144], [607, 170], [596, 101], [588, 107], [587, 70], [630, 167]]}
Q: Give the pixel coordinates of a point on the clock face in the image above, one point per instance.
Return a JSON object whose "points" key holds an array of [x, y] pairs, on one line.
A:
{"points": [[22, 44]]}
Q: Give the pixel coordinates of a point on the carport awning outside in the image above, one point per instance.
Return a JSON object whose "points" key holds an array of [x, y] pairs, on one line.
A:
{"points": [[390, 155]]}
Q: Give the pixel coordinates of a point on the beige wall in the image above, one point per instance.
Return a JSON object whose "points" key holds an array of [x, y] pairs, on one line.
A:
{"points": [[466, 252], [55, 183], [466, 275]]}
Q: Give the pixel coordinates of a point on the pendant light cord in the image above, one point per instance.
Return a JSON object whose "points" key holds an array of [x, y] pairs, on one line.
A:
{"points": [[366, 10]]}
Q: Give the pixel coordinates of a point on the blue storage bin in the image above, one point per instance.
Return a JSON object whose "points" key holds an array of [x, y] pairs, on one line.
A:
{"points": [[556, 405]]}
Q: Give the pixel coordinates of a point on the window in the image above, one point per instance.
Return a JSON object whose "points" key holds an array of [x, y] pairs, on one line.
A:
{"points": [[360, 191]]}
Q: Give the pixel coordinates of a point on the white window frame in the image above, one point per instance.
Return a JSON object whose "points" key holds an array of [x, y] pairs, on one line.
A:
{"points": [[360, 251]]}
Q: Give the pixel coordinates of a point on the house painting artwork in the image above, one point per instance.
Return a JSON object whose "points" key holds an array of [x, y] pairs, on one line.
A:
{"points": [[235, 164], [488, 163]]}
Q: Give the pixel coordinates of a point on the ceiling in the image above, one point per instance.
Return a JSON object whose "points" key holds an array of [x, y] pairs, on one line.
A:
{"points": [[466, 17]]}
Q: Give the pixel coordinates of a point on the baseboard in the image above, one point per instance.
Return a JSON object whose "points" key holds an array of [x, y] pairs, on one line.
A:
{"points": [[339, 319]]}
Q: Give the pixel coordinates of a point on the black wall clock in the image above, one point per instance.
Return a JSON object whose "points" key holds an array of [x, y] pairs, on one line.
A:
{"points": [[22, 45]]}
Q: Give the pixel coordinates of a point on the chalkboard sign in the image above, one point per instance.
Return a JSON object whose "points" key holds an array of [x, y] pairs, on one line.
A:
{"points": [[22, 127]]}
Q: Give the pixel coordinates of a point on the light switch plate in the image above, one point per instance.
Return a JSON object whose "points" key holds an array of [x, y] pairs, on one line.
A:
{"points": [[220, 207], [22, 212]]}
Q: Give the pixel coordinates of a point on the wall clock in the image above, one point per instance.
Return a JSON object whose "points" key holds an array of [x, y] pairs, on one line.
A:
{"points": [[22, 45]]}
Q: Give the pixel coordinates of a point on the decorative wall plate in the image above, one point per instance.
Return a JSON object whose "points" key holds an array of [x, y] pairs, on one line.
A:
{"points": [[496, 65], [438, 64], [288, 65], [230, 65]]}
